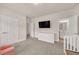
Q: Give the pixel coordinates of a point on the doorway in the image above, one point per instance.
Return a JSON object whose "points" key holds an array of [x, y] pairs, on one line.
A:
{"points": [[63, 27], [28, 27]]}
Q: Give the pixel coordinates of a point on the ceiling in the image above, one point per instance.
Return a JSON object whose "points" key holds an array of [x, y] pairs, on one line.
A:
{"points": [[36, 10]]}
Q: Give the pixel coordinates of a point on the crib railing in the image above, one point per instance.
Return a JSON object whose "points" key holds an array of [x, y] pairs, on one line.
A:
{"points": [[71, 43]]}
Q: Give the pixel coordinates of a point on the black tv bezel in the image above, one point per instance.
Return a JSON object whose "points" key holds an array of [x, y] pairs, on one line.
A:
{"points": [[44, 21]]}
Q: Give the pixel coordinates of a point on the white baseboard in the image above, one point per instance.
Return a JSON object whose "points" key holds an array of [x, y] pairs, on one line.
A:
{"points": [[18, 41], [57, 40]]}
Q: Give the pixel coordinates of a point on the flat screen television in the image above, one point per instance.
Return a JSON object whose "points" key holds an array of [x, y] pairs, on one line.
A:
{"points": [[44, 24]]}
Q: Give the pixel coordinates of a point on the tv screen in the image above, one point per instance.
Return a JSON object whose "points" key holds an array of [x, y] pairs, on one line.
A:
{"points": [[44, 24]]}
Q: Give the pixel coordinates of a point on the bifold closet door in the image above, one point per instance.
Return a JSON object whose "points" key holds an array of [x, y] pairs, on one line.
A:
{"points": [[4, 30], [12, 30], [9, 30]]}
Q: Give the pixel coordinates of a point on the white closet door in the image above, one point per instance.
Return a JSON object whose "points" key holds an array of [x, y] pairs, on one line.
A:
{"points": [[4, 30], [9, 30], [13, 30], [0, 30]]}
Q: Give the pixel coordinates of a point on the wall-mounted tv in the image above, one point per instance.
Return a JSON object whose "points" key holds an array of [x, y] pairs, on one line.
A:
{"points": [[44, 24]]}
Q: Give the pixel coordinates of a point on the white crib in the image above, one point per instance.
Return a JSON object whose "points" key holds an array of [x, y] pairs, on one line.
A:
{"points": [[71, 43]]}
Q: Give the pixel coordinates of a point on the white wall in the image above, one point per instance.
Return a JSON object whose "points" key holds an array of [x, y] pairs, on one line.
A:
{"points": [[73, 25], [74, 22], [12, 26], [54, 18], [76, 12]]}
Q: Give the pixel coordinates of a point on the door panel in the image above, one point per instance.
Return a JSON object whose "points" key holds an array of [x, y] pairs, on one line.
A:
{"points": [[9, 30]]}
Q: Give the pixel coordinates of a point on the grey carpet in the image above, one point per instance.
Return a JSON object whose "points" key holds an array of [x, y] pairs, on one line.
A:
{"points": [[36, 47]]}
